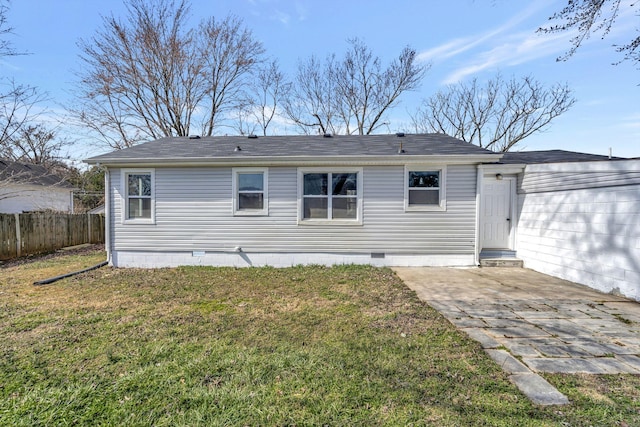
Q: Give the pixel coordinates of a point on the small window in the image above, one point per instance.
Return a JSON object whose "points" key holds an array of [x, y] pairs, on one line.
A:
{"points": [[250, 192], [424, 189], [331, 196], [138, 195]]}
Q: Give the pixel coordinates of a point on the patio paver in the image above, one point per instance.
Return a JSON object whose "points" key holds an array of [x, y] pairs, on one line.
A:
{"points": [[553, 325]]}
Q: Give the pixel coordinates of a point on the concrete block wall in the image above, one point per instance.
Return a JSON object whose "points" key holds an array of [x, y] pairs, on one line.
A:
{"points": [[588, 235]]}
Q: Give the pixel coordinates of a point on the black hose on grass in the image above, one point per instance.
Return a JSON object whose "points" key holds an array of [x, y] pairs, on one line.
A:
{"points": [[64, 276]]}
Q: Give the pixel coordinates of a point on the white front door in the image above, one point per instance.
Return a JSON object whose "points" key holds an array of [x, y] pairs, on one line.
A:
{"points": [[496, 214]]}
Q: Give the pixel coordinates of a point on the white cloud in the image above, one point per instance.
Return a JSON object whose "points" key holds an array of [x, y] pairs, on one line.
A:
{"points": [[283, 17], [283, 12], [301, 11], [631, 122], [501, 47], [446, 50], [468, 70], [595, 102], [460, 45], [9, 66], [517, 49]]}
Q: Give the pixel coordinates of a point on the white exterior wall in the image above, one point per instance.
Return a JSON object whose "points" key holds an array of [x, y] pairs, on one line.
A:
{"points": [[581, 222], [27, 198], [194, 223]]}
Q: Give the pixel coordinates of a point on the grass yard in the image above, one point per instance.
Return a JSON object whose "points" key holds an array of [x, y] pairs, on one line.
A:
{"points": [[257, 346]]}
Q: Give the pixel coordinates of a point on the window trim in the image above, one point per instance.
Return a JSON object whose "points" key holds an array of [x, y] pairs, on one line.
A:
{"points": [[235, 191], [442, 205], [341, 221], [124, 193]]}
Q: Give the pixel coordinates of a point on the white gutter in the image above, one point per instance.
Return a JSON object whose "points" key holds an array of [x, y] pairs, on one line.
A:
{"points": [[503, 168], [299, 160]]}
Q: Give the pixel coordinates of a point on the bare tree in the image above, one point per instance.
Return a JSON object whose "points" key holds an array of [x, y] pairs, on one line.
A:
{"points": [[28, 151], [229, 55], [152, 76], [351, 95], [591, 16], [366, 91], [22, 138], [244, 119], [127, 90], [496, 116], [38, 144], [311, 102], [269, 88], [17, 101], [18, 109], [6, 48]]}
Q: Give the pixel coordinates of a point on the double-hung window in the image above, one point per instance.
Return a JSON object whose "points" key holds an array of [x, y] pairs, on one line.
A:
{"points": [[138, 195], [333, 196], [425, 188], [250, 191]]}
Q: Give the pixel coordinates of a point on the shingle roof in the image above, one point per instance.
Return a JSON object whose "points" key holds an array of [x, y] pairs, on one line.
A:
{"points": [[25, 173], [551, 156], [297, 146]]}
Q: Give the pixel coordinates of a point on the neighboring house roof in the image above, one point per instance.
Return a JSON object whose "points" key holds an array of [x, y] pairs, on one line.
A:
{"points": [[24, 173], [97, 210], [551, 156], [236, 149]]}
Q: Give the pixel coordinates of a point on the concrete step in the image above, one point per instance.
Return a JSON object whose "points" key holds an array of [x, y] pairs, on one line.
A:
{"points": [[501, 262], [497, 253]]}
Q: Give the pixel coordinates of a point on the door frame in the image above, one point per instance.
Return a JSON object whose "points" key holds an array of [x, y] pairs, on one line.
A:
{"points": [[510, 180], [508, 173]]}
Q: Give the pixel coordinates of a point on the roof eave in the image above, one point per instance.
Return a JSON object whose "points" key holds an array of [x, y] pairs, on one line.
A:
{"points": [[399, 159]]}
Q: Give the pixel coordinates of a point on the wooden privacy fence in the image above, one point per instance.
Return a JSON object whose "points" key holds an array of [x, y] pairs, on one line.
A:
{"points": [[33, 233]]}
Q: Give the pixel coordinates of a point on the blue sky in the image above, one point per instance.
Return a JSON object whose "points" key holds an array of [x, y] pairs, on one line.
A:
{"points": [[462, 39]]}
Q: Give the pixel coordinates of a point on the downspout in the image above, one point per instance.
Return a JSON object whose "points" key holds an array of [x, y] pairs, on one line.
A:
{"points": [[480, 174], [107, 214]]}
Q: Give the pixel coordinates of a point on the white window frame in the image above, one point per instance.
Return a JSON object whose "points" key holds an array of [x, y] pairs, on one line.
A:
{"points": [[124, 180], [265, 191], [341, 221], [442, 205]]}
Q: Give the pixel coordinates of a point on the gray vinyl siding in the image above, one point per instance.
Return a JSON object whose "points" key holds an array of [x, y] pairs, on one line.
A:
{"points": [[193, 212]]}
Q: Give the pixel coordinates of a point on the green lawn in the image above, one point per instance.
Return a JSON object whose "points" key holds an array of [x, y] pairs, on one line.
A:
{"points": [[257, 346]]}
